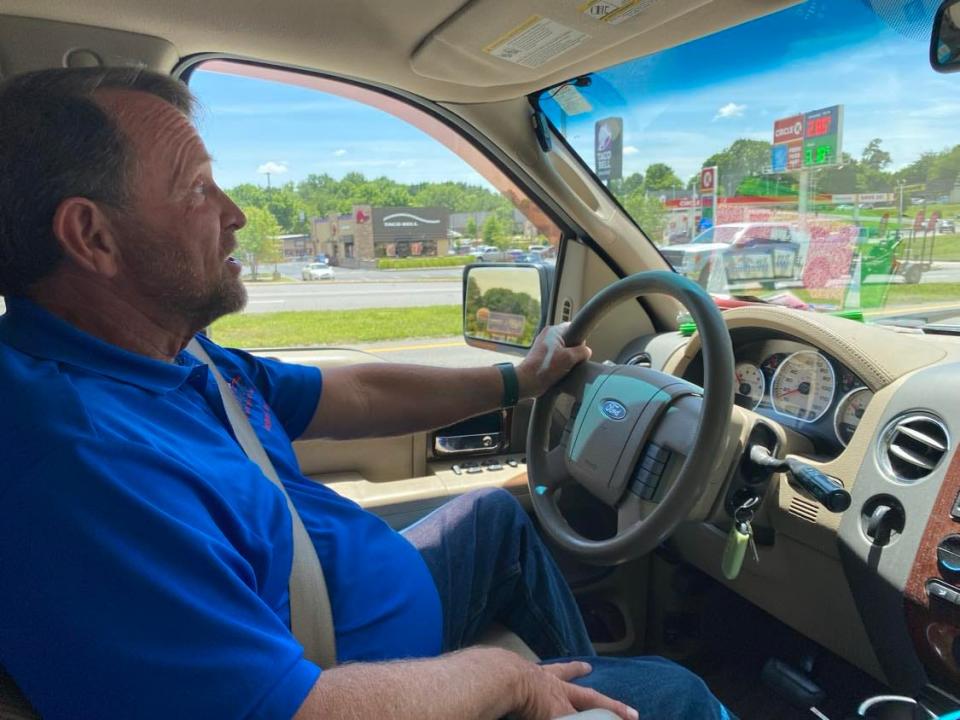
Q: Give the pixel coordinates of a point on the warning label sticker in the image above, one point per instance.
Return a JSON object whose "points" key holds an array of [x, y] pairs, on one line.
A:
{"points": [[600, 9], [572, 100], [614, 12], [536, 41]]}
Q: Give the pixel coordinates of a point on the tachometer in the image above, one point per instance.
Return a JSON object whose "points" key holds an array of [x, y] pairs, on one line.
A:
{"points": [[750, 385], [803, 386], [849, 411]]}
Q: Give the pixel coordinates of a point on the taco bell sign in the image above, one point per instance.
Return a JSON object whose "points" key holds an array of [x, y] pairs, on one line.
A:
{"points": [[608, 148]]}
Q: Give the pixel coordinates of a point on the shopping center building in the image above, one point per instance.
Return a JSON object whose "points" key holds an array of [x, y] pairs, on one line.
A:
{"points": [[359, 238]]}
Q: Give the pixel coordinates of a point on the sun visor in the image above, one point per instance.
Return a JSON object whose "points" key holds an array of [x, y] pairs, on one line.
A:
{"points": [[499, 43]]}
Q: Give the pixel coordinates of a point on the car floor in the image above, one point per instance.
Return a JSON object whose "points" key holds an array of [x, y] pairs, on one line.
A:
{"points": [[737, 638]]}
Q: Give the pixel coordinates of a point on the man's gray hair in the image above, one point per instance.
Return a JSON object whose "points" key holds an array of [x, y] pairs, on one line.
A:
{"points": [[56, 142]]}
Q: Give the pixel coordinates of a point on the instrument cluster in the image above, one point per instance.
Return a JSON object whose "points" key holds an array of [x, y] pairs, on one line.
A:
{"points": [[802, 388]]}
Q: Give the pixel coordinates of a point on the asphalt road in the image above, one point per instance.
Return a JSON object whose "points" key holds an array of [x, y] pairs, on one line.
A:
{"points": [[294, 272], [347, 295], [352, 289]]}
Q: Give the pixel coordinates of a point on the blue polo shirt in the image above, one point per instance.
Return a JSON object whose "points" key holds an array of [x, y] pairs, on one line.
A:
{"points": [[144, 560]]}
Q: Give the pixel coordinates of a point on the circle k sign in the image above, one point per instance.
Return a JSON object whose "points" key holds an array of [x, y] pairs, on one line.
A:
{"points": [[708, 179]]}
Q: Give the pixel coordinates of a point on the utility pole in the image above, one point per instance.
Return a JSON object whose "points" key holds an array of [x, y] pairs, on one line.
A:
{"points": [[900, 212]]}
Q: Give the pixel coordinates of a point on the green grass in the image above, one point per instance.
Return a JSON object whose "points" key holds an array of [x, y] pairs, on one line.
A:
{"points": [[872, 295], [331, 327], [947, 248], [425, 262]]}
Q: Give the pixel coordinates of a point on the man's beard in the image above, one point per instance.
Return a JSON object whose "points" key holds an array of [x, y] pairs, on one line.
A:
{"points": [[172, 282], [227, 296]]}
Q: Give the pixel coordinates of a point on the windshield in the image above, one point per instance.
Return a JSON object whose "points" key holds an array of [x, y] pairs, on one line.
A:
{"points": [[809, 158], [724, 235]]}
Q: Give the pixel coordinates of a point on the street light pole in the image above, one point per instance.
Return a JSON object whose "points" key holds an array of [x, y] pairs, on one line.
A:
{"points": [[900, 212]]}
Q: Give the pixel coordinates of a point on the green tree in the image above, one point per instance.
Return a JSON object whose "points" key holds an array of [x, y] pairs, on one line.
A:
{"points": [[660, 176], [248, 194], [471, 228], [258, 238], [919, 170], [874, 156], [493, 232], [743, 159], [843, 178], [627, 185], [946, 167], [288, 208], [647, 212]]}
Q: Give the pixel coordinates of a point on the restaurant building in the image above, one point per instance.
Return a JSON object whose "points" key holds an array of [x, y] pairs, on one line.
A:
{"points": [[364, 235]]}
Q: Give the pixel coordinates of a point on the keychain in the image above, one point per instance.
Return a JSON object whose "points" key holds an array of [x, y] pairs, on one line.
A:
{"points": [[741, 536]]}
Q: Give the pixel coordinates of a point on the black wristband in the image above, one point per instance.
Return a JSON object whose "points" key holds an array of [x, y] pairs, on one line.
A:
{"points": [[511, 385]]}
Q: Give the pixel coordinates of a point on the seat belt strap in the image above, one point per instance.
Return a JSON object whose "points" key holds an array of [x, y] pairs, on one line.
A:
{"points": [[310, 618]]}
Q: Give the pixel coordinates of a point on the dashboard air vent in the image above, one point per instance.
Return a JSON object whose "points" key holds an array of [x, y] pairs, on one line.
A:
{"points": [[566, 310], [804, 509], [913, 446], [641, 359]]}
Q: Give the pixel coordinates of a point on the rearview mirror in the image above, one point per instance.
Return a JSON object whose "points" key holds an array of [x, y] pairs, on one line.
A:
{"points": [[945, 41], [504, 305]]}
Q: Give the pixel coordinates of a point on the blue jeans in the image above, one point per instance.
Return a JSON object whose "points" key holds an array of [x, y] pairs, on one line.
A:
{"points": [[489, 565]]}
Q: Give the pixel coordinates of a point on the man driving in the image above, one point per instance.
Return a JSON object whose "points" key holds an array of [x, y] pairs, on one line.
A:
{"points": [[145, 557]]}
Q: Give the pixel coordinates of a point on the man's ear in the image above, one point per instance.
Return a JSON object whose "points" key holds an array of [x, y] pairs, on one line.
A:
{"points": [[86, 235]]}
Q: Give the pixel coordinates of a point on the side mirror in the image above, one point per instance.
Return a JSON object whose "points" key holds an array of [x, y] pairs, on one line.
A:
{"points": [[505, 305], [945, 41]]}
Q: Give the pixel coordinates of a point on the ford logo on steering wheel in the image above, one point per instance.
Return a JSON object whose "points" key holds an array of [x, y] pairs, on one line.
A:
{"points": [[613, 409]]}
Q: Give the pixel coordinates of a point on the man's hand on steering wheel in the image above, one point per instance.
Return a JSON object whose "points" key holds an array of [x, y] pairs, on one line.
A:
{"points": [[548, 361]]}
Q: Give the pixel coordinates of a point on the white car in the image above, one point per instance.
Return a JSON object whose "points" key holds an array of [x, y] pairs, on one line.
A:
{"points": [[318, 271]]}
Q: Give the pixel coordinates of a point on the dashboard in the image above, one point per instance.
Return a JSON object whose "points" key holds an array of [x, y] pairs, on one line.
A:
{"points": [[878, 412], [800, 387]]}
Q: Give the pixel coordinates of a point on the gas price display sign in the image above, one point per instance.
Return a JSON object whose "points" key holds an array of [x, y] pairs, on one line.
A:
{"points": [[808, 140], [821, 136]]}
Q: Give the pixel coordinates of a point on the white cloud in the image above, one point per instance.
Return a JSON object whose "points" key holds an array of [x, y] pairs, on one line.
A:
{"points": [[630, 150], [731, 109], [273, 168], [339, 152]]}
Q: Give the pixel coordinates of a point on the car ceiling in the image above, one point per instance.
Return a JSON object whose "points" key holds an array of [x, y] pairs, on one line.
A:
{"points": [[433, 48]]}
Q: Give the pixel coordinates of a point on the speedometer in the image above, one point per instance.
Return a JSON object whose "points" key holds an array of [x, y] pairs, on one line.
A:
{"points": [[749, 385], [850, 410], [803, 386]]}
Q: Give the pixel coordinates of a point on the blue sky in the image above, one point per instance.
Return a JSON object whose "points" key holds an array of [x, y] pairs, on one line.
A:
{"points": [[249, 123], [679, 106]]}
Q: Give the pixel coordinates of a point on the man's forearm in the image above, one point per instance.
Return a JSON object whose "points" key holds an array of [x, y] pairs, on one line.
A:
{"points": [[382, 399], [477, 683]]}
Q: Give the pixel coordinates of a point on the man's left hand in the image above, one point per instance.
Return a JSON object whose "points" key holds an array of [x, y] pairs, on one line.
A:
{"points": [[548, 361]]}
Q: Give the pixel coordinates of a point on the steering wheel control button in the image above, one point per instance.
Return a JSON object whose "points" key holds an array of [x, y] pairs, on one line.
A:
{"points": [[939, 589], [654, 466], [656, 452], [948, 555], [649, 471], [613, 409]]}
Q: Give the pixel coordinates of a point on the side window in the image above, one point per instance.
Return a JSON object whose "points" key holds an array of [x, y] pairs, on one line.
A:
{"points": [[361, 212]]}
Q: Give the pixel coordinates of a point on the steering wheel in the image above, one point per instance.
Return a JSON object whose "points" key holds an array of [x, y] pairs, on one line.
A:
{"points": [[641, 441]]}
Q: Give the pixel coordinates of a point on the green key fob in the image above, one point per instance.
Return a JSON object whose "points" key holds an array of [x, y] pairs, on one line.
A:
{"points": [[734, 550]]}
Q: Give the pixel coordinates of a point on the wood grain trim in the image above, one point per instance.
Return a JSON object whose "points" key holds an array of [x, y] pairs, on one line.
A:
{"points": [[934, 625]]}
